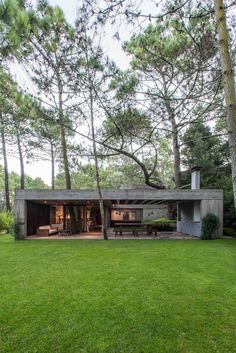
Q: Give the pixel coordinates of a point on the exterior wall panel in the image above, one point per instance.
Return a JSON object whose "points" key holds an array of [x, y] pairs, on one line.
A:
{"points": [[215, 207]]}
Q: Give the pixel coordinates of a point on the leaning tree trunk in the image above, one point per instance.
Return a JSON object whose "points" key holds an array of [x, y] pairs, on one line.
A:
{"points": [[22, 169], [65, 156], [6, 174], [229, 85], [101, 203]]}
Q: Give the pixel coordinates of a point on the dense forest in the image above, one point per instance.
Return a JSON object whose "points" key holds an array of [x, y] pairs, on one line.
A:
{"points": [[103, 127]]}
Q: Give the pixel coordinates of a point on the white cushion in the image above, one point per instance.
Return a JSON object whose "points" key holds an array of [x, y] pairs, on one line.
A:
{"points": [[51, 231]]}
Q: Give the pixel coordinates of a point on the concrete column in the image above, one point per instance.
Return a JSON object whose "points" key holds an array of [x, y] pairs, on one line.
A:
{"points": [[84, 212], [178, 211], [21, 217], [88, 222], [107, 217]]}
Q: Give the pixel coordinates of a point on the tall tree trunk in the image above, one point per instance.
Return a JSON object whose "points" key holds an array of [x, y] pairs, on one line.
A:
{"points": [[65, 156], [22, 169], [175, 146], [6, 175], [63, 139], [52, 167], [229, 85], [101, 203]]}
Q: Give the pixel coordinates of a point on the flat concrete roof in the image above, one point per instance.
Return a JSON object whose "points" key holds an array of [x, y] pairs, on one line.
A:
{"points": [[120, 195]]}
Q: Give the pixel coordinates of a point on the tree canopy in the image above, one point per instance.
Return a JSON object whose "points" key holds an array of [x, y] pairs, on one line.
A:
{"points": [[92, 120]]}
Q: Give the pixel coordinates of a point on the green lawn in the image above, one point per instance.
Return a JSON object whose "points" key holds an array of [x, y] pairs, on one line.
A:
{"points": [[117, 296]]}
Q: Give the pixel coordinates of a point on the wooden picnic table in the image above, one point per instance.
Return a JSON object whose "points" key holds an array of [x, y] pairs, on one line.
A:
{"points": [[127, 224], [134, 228]]}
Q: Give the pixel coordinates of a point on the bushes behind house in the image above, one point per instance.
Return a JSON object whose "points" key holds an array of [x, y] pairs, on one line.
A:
{"points": [[230, 232], [6, 222], [164, 224]]}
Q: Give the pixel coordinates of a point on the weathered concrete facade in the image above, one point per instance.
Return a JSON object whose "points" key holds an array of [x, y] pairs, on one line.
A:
{"points": [[192, 205], [141, 195], [21, 216]]}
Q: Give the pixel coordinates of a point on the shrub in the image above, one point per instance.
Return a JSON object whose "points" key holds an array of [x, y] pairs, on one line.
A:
{"points": [[6, 222], [210, 224], [164, 224]]}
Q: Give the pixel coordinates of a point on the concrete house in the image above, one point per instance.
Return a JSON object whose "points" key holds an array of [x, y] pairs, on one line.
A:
{"points": [[36, 208]]}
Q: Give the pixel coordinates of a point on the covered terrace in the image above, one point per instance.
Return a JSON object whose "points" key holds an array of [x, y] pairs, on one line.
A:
{"points": [[36, 208]]}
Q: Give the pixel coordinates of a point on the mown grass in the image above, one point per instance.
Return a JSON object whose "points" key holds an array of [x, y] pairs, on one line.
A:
{"points": [[117, 296]]}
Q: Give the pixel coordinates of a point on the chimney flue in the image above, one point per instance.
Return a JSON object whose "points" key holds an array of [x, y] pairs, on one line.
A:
{"points": [[195, 178]]}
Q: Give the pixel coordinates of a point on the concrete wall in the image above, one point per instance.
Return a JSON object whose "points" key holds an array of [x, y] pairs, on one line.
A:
{"points": [[154, 212], [21, 216], [189, 227], [208, 201], [143, 212], [119, 215], [190, 215], [189, 219], [123, 194], [215, 207]]}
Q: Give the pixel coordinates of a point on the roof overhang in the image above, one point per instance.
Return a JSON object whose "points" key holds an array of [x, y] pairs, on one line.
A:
{"points": [[120, 195]]}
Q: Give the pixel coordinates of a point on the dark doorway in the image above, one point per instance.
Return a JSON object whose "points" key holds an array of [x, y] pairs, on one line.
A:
{"points": [[95, 220]]}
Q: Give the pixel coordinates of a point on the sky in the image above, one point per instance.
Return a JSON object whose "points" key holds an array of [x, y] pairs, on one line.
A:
{"points": [[111, 47]]}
